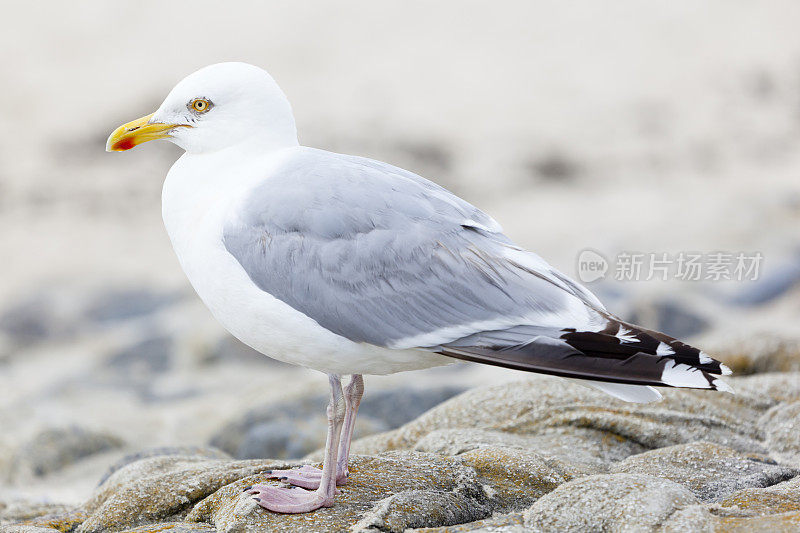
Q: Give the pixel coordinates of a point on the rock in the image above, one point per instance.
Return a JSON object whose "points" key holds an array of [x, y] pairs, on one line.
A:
{"points": [[691, 518], [116, 305], [296, 428], [143, 359], [232, 437], [139, 367], [34, 320], [779, 523], [767, 390], [285, 430], [63, 312], [287, 438], [395, 407], [611, 502], [174, 527], [393, 491], [229, 348], [761, 354], [28, 529], [160, 489], [21, 510], [55, 448], [589, 450], [672, 317], [194, 451], [389, 492], [517, 477], [710, 471], [497, 523], [777, 499], [538, 455], [543, 404], [63, 521], [283, 438], [427, 508], [772, 284], [781, 426]]}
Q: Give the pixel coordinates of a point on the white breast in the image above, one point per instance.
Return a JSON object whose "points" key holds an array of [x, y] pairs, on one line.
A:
{"points": [[200, 193]]}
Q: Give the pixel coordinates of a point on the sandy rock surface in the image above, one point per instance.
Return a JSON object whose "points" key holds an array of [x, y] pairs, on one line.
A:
{"points": [[53, 449], [536, 455], [609, 502]]}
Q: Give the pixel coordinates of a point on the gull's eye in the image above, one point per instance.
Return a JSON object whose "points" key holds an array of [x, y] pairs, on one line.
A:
{"points": [[200, 105]]}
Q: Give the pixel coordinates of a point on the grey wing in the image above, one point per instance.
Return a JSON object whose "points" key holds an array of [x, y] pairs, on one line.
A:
{"points": [[379, 255]]}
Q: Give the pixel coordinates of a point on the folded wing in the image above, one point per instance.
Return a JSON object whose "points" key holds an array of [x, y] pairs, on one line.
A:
{"points": [[379, 255]]}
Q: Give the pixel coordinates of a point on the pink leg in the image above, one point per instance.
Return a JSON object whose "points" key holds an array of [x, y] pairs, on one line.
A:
{"points": [[352, 399], [308, 476], [297, 500]]}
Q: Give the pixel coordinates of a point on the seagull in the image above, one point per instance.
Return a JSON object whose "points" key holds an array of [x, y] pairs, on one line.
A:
{"points": [[352, 266]]}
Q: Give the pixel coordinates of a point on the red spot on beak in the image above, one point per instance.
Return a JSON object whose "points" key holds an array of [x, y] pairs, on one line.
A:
{"points": [[124, 144]]}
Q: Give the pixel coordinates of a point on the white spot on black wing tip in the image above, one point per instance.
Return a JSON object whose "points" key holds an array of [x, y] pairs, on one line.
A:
{"points": [[725, 370], [664, 349], [683, 375], [626, 335]]}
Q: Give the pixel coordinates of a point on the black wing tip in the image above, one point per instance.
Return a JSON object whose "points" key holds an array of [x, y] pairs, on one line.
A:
{"points": [[661, 344], [617, 353]]}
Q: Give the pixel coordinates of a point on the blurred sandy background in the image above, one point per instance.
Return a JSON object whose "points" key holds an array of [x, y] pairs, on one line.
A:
{"points": [[657, 127]]}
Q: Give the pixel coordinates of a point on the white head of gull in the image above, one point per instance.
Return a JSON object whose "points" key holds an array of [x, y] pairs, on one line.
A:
{"points": [[352, 266]]}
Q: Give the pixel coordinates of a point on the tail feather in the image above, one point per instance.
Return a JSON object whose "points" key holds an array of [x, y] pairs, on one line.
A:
{"points": [[624, 338], [618, 353], [628, 393]]}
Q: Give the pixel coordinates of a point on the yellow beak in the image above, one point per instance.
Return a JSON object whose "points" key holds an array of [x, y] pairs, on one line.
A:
{"points": [[137, 132]]}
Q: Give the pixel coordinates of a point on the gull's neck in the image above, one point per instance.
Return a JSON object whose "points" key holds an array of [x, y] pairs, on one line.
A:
{"points": [[281, 134], [221, 172], [201, 185]]}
